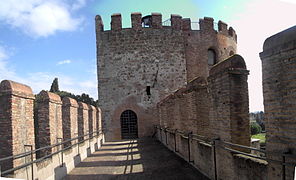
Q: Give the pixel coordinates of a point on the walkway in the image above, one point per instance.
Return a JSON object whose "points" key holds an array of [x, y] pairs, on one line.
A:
{"points": [[135, 159]]}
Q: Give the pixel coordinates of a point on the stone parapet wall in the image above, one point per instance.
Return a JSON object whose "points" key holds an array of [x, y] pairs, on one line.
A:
{"points": [[99, 119], [213, 108], [279, 92], [216, 107], [203, 156], [16, 121], [92, 119], [70, 118], [83, 120], [59, 165], [45, 122], [229, 109], [49, 121]]}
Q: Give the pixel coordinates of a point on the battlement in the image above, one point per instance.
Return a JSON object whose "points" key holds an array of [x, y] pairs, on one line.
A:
{"points": [[11, 87], [49, 97], [176, 22]]}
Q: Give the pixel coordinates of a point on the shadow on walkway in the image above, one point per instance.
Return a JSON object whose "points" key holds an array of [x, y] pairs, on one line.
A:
{"points": [[134, 159]]}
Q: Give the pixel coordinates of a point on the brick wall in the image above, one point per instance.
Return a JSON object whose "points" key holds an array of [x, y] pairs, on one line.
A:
{"points": [[70, 118], [279, 80], [16, 121], [49, 120], [229, 101], [202, 109], [92, 119], [216, 107], [52, 119], [229, 109], [99, 119], [83, 120]]}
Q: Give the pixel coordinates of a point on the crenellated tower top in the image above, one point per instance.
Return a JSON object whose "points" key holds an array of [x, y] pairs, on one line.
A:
{"points": [[176, 22]]}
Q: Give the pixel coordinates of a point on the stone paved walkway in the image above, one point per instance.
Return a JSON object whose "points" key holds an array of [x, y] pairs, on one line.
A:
{"points": [[134, 159]]}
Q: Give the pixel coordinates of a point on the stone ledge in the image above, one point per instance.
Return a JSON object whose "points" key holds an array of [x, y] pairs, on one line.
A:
{"points": [[291, 45], [280, 38], [17, 89], [247, 158], [49, 96], [83, 106], [67, 101], [232, 63], [280, 42]]}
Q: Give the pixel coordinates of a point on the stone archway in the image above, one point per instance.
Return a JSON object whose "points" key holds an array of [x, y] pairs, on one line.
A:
{"points": [[129, 125]]}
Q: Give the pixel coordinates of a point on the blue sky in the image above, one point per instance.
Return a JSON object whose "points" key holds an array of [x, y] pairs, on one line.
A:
{"points": [[44, 39]]}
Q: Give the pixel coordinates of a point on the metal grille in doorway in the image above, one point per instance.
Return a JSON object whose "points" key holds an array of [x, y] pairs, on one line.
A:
{"points": [[129, 125]]}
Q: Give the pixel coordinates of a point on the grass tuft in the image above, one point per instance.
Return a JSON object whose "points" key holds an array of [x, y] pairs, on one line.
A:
{"points": [[260, 136]]}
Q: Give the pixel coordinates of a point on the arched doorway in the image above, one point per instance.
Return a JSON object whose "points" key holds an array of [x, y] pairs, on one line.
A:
{"points": [[129, 125]]}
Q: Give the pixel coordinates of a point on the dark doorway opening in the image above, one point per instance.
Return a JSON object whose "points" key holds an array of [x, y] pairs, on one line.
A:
{"points": [[129, 125]]}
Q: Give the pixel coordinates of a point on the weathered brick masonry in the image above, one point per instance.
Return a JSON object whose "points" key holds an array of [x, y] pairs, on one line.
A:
{"points": [[159, 58], [216, 107], [83, 120], [16, 121], [279, 91], [92, 119], [70, 118], [53, 121], [49, 120], [228, 87], [229, 110], [99, 118]]}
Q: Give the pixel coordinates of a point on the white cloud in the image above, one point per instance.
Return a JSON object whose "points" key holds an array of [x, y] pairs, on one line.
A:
{"points": [[39, 18], [5, 71], [3, 54], [260, 20], [42, 80], [88, 84], [78, 4], [64, 62]]}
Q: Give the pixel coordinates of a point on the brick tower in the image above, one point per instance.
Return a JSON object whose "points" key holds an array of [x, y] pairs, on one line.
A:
{"points": [[139, 66]]}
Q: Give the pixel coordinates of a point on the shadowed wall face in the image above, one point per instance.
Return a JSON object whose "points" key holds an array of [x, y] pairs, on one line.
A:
{"points": [[83, 120], [92, 119], [16, 121], [99, 119], [279, 92]]}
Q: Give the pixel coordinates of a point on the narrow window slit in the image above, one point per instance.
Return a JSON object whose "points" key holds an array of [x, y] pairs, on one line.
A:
{"points": [[148, 91]]}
